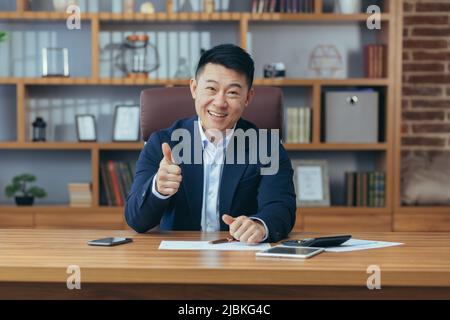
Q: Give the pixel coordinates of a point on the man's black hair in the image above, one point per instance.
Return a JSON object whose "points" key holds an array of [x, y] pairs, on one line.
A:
{"points": [[230, 56]]}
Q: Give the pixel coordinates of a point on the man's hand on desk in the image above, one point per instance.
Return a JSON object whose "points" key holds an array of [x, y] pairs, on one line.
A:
{"points": [[245, 229], [169, 174]]}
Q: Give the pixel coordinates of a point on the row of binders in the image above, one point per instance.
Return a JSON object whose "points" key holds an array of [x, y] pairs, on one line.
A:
{"points": [[365, 189], [298, 125], [116, 181], [283, 6]]}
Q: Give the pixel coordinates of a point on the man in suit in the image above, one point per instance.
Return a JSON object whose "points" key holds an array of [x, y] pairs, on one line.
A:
{"points": [[219, 193]]}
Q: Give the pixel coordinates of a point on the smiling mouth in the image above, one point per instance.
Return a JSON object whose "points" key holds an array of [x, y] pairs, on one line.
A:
{"points": [[216, 114]]}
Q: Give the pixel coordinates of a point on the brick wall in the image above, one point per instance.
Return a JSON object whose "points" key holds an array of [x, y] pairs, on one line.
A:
{"points": [[426, 75]]}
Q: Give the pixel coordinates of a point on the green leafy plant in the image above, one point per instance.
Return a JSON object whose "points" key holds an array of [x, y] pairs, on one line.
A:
{"points": [[3, 36], [19, 187]]}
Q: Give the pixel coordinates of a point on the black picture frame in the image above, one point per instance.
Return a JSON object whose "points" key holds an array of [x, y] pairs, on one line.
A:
{"points": [[126, 125], [86, 128]]}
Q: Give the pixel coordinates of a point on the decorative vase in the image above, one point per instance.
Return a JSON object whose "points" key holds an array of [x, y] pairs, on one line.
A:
{"points": [[61, 5], [349, 6], [24, 201]]}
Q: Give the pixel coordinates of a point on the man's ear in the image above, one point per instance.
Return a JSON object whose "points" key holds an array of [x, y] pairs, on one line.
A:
{"points": [[250, 95], [193, 86]]}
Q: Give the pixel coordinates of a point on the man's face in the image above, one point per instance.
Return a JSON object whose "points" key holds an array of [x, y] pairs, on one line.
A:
{"points": [[221, 95]]}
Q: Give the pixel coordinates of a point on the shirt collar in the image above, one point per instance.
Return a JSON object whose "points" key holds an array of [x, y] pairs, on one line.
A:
{"points": [[205, 140]]}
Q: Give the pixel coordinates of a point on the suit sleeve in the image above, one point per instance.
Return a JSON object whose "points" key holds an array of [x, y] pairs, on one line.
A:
{"points": [[276, 200], [143, 209]]}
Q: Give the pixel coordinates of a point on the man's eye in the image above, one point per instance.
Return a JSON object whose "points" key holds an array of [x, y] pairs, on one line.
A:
{"points": [[233, 93], [210, 88]]}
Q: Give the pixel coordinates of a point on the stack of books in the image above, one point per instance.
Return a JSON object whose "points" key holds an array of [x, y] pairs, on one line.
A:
{"points": [[375, 60], [80, 194], [298, 125], [365, 189], [116, 181], [283, 6]]}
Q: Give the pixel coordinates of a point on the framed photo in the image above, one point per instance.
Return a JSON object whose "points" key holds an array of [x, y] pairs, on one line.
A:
{"points": [[55, 62], [311, 183], [86, 128], [126, 123]]}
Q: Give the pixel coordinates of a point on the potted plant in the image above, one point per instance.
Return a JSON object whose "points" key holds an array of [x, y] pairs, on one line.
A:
{"points": [[23, 194], [3, 35]]}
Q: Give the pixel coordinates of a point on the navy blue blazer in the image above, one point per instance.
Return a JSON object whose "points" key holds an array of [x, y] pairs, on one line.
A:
{"points": [[243, 190]]}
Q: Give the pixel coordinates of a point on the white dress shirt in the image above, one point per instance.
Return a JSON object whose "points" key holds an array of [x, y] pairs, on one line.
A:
{"points": [[213, 160]]}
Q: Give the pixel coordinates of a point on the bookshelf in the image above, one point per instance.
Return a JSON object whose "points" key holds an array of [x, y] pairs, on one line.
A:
{"points": [[94, 78]]}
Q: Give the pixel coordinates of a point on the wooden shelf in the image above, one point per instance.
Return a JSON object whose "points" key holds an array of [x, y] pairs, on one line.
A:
{"points": [[336, 147], [424, 209], [58, 208], [72, 145], [121, 146], [190, 16], [47, 145], [140, 145], [184, 82], [322, 17], [41, 15], [342, 210], [309, 211]]}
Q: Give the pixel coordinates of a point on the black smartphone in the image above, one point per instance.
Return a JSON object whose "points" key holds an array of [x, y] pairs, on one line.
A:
{"points": [[109, 242], [322, 242]]}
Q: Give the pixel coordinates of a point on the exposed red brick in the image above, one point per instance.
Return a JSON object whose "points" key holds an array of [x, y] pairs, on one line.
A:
{"points": [[429, 55], [424, 141], [431, 104], [405, 104], [431, 128], [430, 32], [408, 7], [423, 20], [423, 115], [433, 7], [405, 128], [422, 91], [407, 67], [429, 78], [425, 44], [406, 56]]}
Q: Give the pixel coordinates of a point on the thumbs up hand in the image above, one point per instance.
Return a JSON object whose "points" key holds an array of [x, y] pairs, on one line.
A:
{"points": [[245, 229], [169, 174]]}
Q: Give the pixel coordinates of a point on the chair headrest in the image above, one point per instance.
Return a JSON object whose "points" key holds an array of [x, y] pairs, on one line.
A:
{"points": [[161, 107]]}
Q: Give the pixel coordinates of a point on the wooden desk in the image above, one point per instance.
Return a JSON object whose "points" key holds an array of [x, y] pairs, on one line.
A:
{"points": [[33, 264]]}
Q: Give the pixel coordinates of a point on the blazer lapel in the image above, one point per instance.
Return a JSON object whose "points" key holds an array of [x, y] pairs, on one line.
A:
{"points": [[193, 177]]}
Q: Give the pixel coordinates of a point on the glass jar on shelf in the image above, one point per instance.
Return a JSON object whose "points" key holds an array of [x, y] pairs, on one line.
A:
{"points": [[138, 57]]}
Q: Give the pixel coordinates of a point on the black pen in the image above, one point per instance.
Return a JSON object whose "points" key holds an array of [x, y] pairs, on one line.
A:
{"points": [[224, 240]]}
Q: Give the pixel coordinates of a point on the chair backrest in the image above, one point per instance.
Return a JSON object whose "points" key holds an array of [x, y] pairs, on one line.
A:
{"points": [[160, 107]]}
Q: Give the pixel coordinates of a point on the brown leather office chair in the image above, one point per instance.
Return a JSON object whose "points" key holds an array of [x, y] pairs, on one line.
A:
{"points": [[160, 107]]}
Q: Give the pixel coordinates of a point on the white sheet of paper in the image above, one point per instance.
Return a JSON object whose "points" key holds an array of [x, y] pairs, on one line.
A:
{"points": [[205, 245], [356, 244]]}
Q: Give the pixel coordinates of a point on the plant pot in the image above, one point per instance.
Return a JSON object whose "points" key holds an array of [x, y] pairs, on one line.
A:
{"points": [[24, 201]]}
